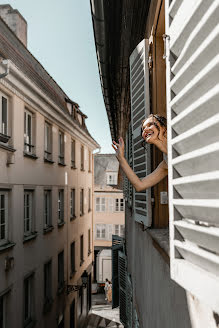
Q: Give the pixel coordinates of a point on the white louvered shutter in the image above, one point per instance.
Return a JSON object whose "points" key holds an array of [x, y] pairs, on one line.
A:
{"points": [[193, 145], [140, 109]]}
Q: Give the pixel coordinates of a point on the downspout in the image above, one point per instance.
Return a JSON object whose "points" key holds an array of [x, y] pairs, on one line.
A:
{"points": [[6, 63]]}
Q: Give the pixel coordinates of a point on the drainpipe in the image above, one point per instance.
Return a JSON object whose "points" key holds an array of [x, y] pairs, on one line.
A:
{"points": [[6, 63]]}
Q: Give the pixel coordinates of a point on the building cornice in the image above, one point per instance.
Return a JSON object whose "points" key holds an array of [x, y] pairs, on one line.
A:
{"points": [[32, 95]]}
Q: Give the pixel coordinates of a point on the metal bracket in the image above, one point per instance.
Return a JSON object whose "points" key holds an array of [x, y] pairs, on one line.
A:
{"points": [[143, 226], [165, 39]]}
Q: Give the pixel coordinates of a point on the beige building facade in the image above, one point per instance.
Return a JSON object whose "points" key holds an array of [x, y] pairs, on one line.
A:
{"points": [[46, 186], [108, 203]]}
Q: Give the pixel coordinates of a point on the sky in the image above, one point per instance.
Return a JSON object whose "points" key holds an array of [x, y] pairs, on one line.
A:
{"points": [[60, 35]]}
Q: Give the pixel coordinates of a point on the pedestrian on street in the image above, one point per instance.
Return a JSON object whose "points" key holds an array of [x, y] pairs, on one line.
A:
{"points": [[153, 131], [109, 294], [106, 287]]}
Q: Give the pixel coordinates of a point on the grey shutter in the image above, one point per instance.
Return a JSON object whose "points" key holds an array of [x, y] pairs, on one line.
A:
{"points": [[117, 245], [130, 161], [129, 302], [135, 320], [125, 180], [193, 145], [140, 109], [122, 288]]}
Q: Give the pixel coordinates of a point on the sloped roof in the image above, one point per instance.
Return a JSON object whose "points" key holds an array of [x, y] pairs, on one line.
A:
{"points": [[104, 163]]}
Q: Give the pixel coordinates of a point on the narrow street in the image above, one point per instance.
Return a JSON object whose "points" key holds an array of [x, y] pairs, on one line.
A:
{"points": [[102, 314]]}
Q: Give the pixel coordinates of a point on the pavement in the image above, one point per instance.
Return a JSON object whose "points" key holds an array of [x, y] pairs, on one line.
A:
{"points": [[102, 314]]}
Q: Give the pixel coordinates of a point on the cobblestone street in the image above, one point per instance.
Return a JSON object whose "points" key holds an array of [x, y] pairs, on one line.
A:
{"points": [[102, 314]]}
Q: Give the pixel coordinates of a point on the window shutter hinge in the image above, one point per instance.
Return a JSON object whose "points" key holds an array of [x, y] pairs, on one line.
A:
{"points": [[165, 39]]}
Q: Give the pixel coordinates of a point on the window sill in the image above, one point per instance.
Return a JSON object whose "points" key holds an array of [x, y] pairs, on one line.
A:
{"points": [[4, 138], [6, 246], [61, 164], [160, 239], [61, 288], [46, 160], [61, 224], [8, 148], [48, 229], [82, 214], [89, 171], [33, 156], [82, 170], [29, 237], [47, 305], [81, 263], [72, 218], [73, 167]]}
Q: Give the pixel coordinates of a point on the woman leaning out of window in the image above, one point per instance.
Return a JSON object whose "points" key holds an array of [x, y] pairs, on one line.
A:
{"points": [[154, 131]]}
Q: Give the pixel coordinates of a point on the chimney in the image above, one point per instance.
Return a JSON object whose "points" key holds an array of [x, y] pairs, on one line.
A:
{"points": [[15, 21]]}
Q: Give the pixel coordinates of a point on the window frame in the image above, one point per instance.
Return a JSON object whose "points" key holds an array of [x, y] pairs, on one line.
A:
{"points": [[29, 146], [112, 178], [6, 218], [89, 242], [30, 281], [61, 270], [102, 204], [82, 158], [29, 231], [81, 202], [73, 258], [101, 227], [48, 141], [72, 203], [73, 153], [89, 200], [4, 132], [61, 206], [48, 278], [61, 148], [81, 249], [49, 208]]}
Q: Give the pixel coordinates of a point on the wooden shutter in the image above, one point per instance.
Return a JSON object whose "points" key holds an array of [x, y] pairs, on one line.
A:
{"points": [[193, 145], [117, 245], [140, 109], [123, 288]]}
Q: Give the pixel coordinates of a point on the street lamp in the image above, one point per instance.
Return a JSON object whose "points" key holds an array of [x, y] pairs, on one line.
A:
{"points": [[75, 288]]}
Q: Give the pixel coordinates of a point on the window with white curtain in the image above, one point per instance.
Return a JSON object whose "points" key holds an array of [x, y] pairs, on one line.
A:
{"points": [[100, 204], [100, 231]]}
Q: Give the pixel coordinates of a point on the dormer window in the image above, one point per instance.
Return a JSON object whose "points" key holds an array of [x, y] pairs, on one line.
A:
{"points": [[111, 178]]}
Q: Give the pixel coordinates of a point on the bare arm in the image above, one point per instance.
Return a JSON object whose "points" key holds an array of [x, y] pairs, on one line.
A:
{"points": [[139, 184]]}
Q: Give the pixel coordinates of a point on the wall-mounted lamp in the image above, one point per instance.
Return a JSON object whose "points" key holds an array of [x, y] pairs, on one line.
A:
{"points": [[75, 288]]}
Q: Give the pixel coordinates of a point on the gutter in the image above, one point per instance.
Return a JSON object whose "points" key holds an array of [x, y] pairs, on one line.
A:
{"points": [[99, 27]]}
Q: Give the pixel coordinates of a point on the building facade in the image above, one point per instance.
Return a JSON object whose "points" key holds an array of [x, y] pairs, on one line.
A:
{"points": [[46, 186], [108, 205], [162, 57]]}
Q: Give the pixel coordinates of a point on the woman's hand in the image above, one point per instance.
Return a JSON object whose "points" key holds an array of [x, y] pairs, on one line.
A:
{"points": [[119, 148]]}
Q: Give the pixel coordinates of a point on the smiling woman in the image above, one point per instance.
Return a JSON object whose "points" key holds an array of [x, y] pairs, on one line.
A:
{"points": [[154, 131]]}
